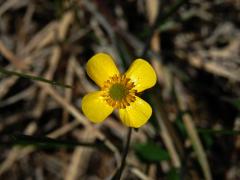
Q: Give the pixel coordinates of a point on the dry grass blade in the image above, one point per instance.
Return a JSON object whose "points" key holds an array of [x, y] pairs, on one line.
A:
{"points": [[20, 96], [192, 132], [80, 158], [140, 174], [168, 141], [69, 80], [153, 9], [13, 59], [6, 84], [54, 59]]}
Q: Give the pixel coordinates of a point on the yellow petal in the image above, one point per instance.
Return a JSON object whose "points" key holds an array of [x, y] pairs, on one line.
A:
{"points": [[100, 68], [95, 108], [137, 114], [142, 74]]}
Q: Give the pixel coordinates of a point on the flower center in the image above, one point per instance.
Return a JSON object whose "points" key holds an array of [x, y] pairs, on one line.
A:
{"points": [[118, 91]]}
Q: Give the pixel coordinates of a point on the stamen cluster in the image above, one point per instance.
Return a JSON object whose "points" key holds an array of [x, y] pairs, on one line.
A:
{"points": [[119, 92]]}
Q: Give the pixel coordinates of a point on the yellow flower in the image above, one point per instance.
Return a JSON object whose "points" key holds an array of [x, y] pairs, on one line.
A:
{"points": [[118, 91]]}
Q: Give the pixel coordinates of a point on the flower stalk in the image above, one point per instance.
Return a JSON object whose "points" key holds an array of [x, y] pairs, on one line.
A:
{"points": [[119, 172]]}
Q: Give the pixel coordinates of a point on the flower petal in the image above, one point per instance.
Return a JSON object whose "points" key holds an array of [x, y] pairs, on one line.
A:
{"points": [[100, 68], [137, 114], [142, 74], [95, 107]]}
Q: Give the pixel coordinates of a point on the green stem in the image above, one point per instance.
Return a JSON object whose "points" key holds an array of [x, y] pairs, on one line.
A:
{"points": [[27, 76], [118, 174]]}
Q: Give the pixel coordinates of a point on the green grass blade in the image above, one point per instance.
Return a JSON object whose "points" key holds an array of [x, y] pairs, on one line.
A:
{"points": [[37, 78], [45, 142]]}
